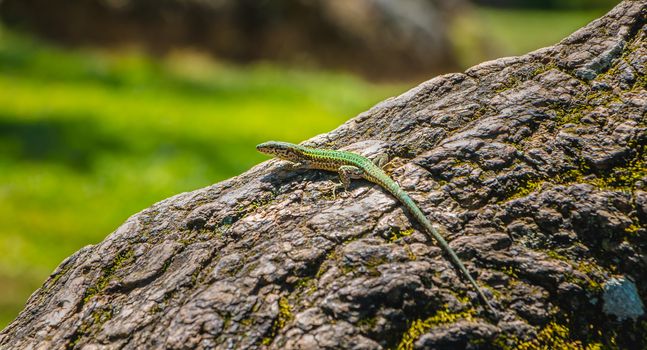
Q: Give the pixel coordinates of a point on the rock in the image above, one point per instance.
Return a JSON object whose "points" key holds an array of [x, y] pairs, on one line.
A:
{"points": [[533, 167], [621, 299]]}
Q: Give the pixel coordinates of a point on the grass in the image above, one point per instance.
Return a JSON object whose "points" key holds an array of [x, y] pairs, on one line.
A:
{"points": [[488, 33], [521, 31], [89, 138]]}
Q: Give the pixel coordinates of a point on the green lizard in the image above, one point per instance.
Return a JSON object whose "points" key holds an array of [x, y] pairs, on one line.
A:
{"points": [[354, 166]]}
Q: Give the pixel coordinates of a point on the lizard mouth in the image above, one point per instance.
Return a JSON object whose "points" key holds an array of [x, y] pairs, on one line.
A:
{"points": [[283, 150], [274, 147], [265, 148]]}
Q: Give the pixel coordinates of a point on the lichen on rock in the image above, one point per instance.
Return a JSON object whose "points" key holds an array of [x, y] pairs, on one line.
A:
{"points": [[621, 299]]}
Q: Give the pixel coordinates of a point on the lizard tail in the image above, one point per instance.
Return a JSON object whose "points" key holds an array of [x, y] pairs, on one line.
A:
{"points": [[420, 216]]}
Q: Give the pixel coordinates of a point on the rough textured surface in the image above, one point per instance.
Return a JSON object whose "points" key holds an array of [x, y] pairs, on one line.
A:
{"points": [[621, 299], [391, 39], [534, 166]]}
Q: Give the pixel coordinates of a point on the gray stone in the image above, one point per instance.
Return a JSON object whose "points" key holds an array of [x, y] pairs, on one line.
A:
{"points": [[621, 299]]}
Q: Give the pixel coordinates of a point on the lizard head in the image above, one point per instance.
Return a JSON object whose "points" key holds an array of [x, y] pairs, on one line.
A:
{"points": [[283, 150]]}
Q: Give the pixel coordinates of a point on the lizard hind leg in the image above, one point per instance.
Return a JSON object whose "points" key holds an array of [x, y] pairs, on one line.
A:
{"points": [[380, 160]]}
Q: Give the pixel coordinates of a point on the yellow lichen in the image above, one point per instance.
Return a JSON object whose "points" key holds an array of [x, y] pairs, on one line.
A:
{"points": [[397, 233], [555, 336], [420, 327]]}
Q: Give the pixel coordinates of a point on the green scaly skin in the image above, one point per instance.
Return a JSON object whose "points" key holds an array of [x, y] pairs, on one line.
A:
{"points": [[351, 165]]}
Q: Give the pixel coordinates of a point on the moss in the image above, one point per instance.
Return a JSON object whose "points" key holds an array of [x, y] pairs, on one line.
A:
{"points": [[543, 68], [158, 307], [461, 297], [102, 316], [412, 256], [155, 309], [457, 163], [307, 285], [420, 327], [373, 263], [632, 229], [220, 230], [95, 289], [555, 255], [573, 114], [285, 315], [367, 323], [302, 283], [330, 256], [147, 217], [58, 276], [526, 188], [91, 324], [552, 336], [623, 177], [590, 280], [121, 259], [329, 195], [510, 271], [641, 82], [320, 271], [510, 83], [334, 259], [396, 233], [226, 321], [589, 269], [569, 176], [572, 117], [186, 241], [166, 265], [264, 200], [194, 277], [496, 294]]}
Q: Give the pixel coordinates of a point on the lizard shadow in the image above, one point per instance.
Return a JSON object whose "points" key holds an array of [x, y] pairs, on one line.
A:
{"points": [[283, 177]]}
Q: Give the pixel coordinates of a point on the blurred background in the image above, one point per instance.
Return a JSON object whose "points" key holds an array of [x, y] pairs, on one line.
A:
{"points": [[107, 106]]}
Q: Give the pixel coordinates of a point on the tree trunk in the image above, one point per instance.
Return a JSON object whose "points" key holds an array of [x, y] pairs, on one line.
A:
{"points": [[534, 168]]}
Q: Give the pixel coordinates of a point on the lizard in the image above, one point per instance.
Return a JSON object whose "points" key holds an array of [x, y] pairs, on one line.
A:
{"points": [[350, 165]]}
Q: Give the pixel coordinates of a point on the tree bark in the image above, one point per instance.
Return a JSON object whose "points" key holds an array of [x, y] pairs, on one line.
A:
{"points": [[533, 166]]}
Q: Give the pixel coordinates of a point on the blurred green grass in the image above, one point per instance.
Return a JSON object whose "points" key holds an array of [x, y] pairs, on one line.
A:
{"points": [[487, 33], [88, 139], [520, 31]]}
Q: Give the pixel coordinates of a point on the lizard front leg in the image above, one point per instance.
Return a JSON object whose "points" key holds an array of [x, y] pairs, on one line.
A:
{"points": [[348, 172], [297, 165]]}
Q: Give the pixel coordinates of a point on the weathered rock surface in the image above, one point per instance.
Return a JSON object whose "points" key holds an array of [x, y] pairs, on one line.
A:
{"points": [[534, 166], [382, 39]]}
